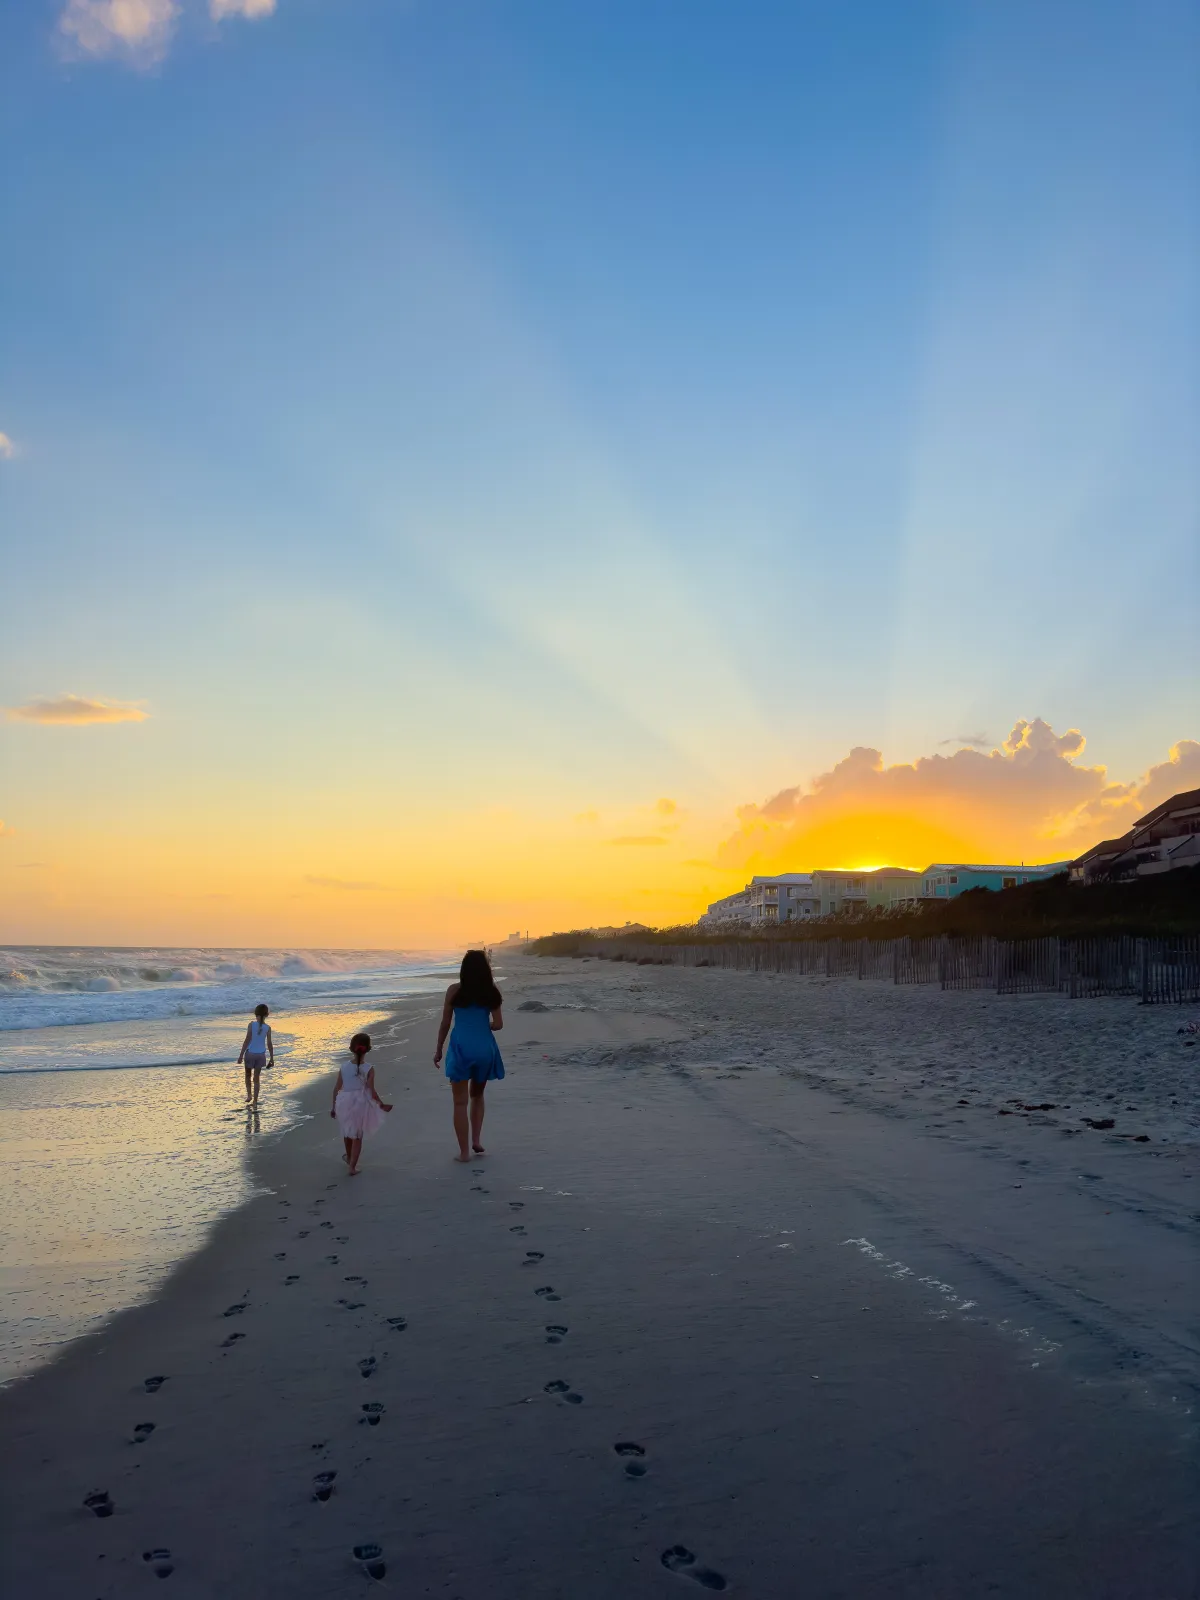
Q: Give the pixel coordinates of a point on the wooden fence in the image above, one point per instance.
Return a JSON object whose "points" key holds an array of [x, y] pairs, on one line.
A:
{"points": [[1156, 971]]}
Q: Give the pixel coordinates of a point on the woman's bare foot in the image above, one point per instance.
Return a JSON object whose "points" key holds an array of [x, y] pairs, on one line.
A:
{"points": [[462, 1156], [353, 1173], [479, 1150]]}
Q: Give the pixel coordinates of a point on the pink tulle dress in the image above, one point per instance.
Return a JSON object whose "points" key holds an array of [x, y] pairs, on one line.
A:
{"points": [[357, 1113]]}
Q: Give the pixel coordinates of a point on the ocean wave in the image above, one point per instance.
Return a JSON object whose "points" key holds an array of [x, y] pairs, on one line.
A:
{"points": [[103, 971], [47, 988]]}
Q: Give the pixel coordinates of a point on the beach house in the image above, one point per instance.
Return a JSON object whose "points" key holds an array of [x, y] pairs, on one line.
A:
{"points": [[785, 897], [732, 908], [838, 891], [946, 879], [1165, 838]]}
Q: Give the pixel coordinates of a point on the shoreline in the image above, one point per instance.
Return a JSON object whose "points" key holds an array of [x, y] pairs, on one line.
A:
{"points": [[787, 1300], [152, 1162]]}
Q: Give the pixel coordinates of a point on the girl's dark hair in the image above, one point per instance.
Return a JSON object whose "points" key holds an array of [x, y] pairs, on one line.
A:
{"points": [[360, 1044], [261, 1011], [476, 986]]}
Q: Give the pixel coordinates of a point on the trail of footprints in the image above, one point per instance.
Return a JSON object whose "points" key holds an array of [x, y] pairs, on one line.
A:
{"points": [[632, 1455], [677, 1559], [369, 1556]]}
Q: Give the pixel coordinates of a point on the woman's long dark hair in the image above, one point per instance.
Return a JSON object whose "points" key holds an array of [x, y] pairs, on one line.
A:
{"points": [[476, 986]]}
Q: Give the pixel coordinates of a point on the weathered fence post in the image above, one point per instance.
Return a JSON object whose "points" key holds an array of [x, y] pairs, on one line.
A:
{"points": [[1144, 967], [862, 953], [895, 961]]}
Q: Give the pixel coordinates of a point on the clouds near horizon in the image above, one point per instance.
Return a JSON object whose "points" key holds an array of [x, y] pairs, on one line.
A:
{"points": [[1032, 799], [73, 709]]}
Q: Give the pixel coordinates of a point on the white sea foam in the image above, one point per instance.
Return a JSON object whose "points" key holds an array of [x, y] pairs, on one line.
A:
{"points": [[51, 987]]}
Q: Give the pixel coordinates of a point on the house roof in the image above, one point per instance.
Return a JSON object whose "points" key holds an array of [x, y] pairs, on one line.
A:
{"points": [[1183, 801], [1106, 847], [968, 866], [865, 872]]}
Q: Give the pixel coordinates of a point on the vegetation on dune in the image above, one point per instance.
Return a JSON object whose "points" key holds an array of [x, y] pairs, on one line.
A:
{"points": [[1153, 907]]}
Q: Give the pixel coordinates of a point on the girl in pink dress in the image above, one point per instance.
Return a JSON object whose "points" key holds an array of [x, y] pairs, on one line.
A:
{"points": [[357, 1107]]}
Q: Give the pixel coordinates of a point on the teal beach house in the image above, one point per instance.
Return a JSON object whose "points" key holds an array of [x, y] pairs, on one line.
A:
{"points": [[946, 879]]}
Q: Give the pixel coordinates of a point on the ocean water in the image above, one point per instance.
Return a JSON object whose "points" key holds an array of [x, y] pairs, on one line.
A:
{"points": [[123, 1124]]}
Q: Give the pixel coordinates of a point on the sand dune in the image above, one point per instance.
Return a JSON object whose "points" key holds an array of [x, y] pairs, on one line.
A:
{"points": [[735, 1301]]}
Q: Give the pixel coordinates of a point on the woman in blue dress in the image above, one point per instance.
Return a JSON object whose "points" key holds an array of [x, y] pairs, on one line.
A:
{"points": [[473, 1059]]}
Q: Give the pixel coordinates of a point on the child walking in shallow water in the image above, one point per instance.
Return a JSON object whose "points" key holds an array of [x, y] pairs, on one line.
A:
{"points": [[357, 1107], [257, 1047], [473, 1009]]}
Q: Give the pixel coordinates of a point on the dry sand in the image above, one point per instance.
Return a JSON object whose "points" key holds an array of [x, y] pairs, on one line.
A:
{"points": [[870, 1341]]}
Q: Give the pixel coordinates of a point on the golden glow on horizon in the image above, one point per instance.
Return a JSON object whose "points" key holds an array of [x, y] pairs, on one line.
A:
{"points": [[220, 868]]}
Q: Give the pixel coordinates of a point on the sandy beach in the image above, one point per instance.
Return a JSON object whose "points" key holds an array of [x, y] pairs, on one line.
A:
{"points": [[769, 1285]]}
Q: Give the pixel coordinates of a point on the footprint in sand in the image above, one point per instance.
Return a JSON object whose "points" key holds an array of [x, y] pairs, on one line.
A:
{"points": [[342, 1238], [159, 1562], [235, 1310], [354, 1277], [532, 1257], [327, 1224], [351, 1305], [681, 1560], [332, 1260], [546, 1292], [142, 1432], [281, 1255], [232, 1339], [370, 1558], [292, 1277], [477, 1188], [367, 1366], [99, 1502], [303, 1234], [563, 1391], [153, 1385], [556, 1332], [399, 1323], [518, 1227], [516, 1205], [372, 1412], [323, 1484], [634, 1457]]}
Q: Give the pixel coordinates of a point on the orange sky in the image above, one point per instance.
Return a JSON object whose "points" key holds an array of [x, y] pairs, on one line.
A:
{"points": [[356, 871]]}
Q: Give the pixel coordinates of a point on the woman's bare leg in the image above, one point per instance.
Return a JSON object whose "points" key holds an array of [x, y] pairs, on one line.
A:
{"points": [[355, 1152], [349, 1143], [257, 1074], [477, 1118], [248, 1071], [460, 1120]]}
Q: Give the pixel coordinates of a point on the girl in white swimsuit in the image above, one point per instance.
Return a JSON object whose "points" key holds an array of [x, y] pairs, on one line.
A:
{"points": [[258, 1051]]}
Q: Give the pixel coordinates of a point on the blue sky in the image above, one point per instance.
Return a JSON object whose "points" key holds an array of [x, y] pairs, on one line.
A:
{"points": [[553, 407]]}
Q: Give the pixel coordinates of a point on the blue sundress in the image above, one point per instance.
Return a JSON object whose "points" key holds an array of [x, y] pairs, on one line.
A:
{"points": [[473, 1052]]}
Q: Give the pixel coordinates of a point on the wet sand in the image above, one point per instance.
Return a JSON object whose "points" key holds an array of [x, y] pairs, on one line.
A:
{"points": [[718, 1309]]}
